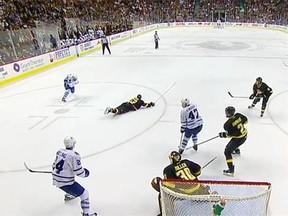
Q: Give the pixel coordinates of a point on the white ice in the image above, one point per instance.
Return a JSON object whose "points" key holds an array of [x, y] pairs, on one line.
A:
{"points": [[123, 153]]}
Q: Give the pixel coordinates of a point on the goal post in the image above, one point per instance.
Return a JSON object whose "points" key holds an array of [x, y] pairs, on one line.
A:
{"points": [[200, 198]]}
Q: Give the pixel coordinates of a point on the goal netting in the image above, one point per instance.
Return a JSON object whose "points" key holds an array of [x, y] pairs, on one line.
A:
{"points": [[199, 198]]}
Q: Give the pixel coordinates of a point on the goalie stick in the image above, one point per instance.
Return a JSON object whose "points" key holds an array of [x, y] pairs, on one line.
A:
{"points": [[36, 171], [202, 142], [237, 96]]}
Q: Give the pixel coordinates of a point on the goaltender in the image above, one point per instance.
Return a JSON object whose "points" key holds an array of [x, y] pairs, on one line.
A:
{"points": [[181, 170]]}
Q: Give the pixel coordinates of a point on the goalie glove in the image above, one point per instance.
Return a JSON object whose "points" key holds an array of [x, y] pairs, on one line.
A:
{"points": [[223, 135], [155, 183]]}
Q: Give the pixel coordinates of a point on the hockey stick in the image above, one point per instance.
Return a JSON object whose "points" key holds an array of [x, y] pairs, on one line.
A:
{"points": [[209, 162], [237, 96], [36, 171], [285, 61], [203, 142], [181, 139], [164, 93]]}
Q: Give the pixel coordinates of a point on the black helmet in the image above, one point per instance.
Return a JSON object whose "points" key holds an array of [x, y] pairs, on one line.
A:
{"points": [[229, 111], [174, 157], [258, 81], [139, 96]]}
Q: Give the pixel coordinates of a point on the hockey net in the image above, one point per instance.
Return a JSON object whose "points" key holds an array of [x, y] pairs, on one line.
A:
{"points": [[181, 198]]}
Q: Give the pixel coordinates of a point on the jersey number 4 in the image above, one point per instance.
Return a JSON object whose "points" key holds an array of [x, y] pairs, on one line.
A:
{"points": [[59, 166]]}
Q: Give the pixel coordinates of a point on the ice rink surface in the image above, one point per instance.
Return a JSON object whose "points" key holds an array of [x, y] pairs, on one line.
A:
{"points": [[123, 153]]}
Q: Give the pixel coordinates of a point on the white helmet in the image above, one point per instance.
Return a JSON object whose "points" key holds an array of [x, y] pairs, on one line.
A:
{"points": [[185, 102], [69, 142]]}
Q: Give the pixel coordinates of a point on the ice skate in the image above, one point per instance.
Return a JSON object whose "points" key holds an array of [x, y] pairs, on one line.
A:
{"points": [[68, 197], [236, 151], [181, 151], [229, 172], [89, 214], [195, 147], [64, 99]]}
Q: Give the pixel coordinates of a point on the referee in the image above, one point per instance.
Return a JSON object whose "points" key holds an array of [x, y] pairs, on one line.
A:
{"points": [[104, 42]]}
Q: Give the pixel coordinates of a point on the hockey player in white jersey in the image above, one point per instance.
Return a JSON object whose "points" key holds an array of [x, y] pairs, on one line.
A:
{"points": [[65, 167], [191, 124], [69, 84]]}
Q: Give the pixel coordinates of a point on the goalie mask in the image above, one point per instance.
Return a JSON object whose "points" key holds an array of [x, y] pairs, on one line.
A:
{"points": [[174, 157], [229, 111], [69, 142], [185, 102]]}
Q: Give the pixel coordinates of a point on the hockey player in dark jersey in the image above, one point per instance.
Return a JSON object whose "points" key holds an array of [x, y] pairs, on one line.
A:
{"points": [[234, 129], [183, 170], [260, 90], [132, 105]]}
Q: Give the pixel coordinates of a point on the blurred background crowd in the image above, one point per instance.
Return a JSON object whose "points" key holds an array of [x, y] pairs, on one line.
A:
{"points": [[32, 27]]}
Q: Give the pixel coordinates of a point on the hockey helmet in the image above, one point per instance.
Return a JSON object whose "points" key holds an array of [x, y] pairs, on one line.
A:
{"points": [[174, 157], [258, 81], [69, 142], [139, 96], [229, 111], [185, 102]]}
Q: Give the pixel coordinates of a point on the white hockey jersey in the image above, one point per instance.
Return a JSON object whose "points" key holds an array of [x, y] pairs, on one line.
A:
{"points": [[66, 165], [190, 117], [71, 80]]}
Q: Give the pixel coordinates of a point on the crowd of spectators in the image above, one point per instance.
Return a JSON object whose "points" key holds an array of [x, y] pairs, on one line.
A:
{"points": [[76, 21]]}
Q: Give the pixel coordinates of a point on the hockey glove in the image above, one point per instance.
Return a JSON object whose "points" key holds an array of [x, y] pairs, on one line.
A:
{"points": [[223, 135], [152, 104], [252, 96], [182, 130], [155, 183], [87, 173]]}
